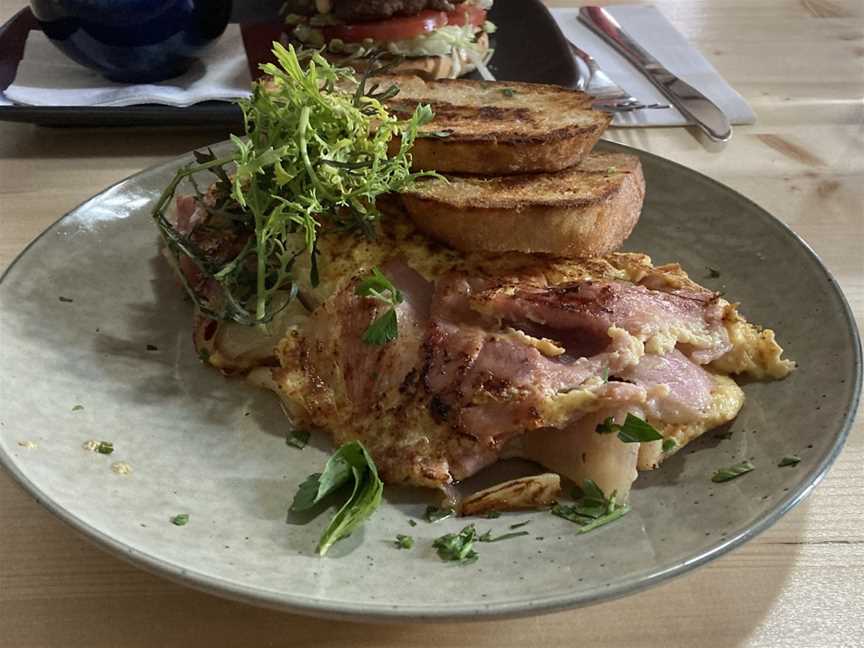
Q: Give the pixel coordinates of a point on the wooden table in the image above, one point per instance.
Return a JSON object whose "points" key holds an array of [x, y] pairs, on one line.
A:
{"points": [[801, 66]]}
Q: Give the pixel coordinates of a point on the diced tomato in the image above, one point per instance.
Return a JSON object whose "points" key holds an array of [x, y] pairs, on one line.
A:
{"points": [[406, 27]]}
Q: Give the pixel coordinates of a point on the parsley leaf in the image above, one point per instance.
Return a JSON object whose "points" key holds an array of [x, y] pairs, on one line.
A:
{"points": [[349, 465], [725, 474], [593, 509], [436, 514], [385, 328], [508, 92], [634, 429], [297, 438], [403, 541], [105, 447], [491, 515], [669, 444], [789, 460], [457, 547], [180, 520]]}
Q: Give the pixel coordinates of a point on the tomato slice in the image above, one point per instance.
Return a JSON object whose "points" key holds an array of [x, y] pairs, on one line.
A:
{"points": [[405, 27], [467, 15], [392, 29]]}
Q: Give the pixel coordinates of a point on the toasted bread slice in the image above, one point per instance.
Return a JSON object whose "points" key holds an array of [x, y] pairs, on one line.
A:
{"points": [[588, 210], [491, 128]]}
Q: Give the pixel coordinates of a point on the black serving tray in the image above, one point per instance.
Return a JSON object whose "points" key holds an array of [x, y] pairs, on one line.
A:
{"points": [[528, 47]]}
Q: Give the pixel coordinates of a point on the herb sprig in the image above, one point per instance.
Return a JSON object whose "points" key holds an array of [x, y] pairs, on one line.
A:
{"points": [[351, 466], [726, 474], [385, 327], [317, 149]]}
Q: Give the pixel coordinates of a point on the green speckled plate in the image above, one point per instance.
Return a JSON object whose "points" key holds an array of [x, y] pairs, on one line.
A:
{"points": [[214, 448]]}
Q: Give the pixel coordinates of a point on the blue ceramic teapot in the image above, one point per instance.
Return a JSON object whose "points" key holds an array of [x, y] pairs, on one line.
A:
{"points": [[133, 41]]}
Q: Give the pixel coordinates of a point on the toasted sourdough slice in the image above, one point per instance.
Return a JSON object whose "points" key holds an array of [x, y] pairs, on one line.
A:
{"points": [[587, 210], [499, 128]]}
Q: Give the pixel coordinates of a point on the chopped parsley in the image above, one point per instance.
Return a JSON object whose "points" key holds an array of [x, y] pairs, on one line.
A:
{"points": [[77, 408], [634, 429], [725, 474], [350, 467], [669, 444], [65, 300], [152, 347], [181, 519], [412, 523], [385, 328], [508, 92], [436, 514], [457, 547], [104, 447], [712, 273], [789, 460], [403, 541], [592, 508], [297, 438], [519, 524], [491, 515], [487, 537]]}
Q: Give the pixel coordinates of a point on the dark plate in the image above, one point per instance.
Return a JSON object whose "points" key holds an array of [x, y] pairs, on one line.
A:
{"points": [[547, 60]]}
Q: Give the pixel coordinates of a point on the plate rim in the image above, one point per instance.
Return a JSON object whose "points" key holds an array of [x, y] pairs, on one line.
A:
{"points": [[377, 612]]}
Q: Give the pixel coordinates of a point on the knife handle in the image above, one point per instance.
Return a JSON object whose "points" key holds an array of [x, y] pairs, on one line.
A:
{"points": [[602, 22], [710, 118]]}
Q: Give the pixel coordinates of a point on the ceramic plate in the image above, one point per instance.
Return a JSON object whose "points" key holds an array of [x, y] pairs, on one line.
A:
{"points": [[96, 344]]}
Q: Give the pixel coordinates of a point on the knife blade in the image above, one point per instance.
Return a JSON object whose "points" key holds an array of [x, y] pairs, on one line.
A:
{"points": [[693, 104]]}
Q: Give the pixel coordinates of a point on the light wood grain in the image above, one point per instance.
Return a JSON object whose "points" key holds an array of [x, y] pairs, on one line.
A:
{"points": [[801, 66]]}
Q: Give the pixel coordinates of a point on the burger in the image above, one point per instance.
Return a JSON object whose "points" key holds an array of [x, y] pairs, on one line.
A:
{"points": [[434, 39]]}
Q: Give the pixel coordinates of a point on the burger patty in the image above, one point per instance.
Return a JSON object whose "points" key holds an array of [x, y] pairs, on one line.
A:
{"points": [[366, 10]]}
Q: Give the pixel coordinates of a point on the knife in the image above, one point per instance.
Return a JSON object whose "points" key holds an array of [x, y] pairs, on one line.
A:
{"points": [[693, 104]]}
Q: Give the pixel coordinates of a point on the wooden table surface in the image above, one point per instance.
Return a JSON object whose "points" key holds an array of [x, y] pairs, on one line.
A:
{"points": [[801, 66]]}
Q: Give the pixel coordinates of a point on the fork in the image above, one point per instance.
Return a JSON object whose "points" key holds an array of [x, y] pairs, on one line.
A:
{"points": [[608, 95]]}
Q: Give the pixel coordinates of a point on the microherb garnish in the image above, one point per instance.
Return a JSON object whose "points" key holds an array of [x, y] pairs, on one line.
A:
{"points": [[317, 150], [297, 438], [105, 447], [669, 444], [350, 466], [725, 474], [385, 327], [180, 520], [592, 508], [634, 429], [436, 514], [508, 92], [789, 460], [403, 541], [458, 547]]}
